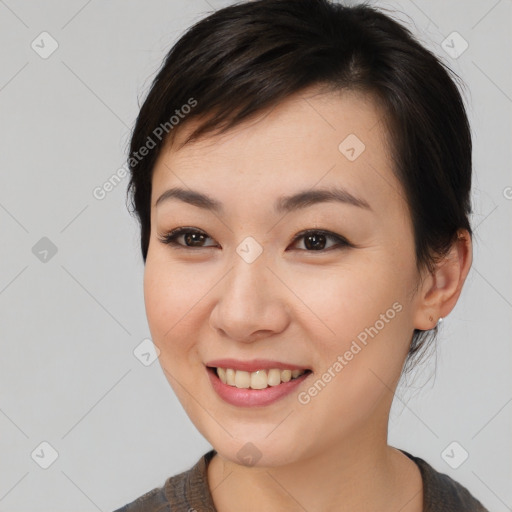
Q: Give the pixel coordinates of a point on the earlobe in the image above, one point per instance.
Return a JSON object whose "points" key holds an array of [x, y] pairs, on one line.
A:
{"points": [[441, 289]]}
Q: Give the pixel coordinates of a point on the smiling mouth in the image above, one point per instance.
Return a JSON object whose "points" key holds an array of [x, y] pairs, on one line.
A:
{"points": [[260, 379]]}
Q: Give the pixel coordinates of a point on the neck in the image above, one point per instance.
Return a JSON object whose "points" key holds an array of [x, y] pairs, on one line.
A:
{"points": [[361, 474]]}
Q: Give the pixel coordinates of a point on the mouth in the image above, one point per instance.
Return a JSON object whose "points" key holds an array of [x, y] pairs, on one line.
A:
{"points": [[254, 384], [259, 379]]}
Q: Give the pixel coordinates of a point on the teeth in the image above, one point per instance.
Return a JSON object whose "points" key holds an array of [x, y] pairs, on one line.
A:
{"points": [[274, 377], [286, 375], [221, 372], [259, 379], [230, 377], [242, 379]]}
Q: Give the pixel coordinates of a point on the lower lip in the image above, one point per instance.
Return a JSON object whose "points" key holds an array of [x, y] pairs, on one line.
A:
{"points": [[253, 397]]}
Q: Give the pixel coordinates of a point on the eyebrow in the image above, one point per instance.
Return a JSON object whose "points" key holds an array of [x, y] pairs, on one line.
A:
{"points": [[285, 204]]}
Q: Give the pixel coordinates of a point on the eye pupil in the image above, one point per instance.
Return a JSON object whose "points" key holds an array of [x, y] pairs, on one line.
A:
{"points": [[194, 239], [315, 241]]}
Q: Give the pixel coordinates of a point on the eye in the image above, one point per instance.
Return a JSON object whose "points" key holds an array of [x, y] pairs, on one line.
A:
{"points": [[316, 240], [192, 237]]}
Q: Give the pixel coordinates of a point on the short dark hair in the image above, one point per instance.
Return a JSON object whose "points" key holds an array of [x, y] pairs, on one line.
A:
{"points": [[246, 58]]}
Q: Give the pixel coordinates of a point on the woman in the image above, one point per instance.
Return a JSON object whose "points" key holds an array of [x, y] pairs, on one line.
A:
{"points": [[301, 171]]}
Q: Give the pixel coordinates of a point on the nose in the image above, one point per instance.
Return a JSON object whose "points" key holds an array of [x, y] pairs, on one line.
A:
{"points": [[251, 302]]}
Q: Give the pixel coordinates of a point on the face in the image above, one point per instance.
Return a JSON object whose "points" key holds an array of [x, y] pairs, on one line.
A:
{"points": [[263, 284]]}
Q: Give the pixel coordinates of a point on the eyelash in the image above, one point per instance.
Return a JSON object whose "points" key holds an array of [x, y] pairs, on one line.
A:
{"points": [[170, 239]]}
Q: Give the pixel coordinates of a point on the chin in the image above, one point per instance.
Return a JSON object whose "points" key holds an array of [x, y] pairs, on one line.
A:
{"points": [[252, 446]]}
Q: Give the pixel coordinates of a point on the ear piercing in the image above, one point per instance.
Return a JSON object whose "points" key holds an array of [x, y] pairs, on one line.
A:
{"points": [[431, 318]]}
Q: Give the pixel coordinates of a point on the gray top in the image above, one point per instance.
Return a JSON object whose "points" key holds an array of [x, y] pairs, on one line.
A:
{"points": [[189, 491]]}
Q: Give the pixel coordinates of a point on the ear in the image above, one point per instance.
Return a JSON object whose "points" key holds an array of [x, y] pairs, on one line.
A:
{"points": [[440, 290]]}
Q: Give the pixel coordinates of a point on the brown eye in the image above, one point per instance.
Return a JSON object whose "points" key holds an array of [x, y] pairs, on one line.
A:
{"points": [[191, 238], [194, 239], [317, 240]]}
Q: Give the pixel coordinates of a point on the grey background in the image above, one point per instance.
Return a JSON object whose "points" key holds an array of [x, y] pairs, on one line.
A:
{"points": [[69, 325]]}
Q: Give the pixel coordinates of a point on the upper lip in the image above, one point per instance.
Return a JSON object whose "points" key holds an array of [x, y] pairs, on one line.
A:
{"points": [[254, 365]]}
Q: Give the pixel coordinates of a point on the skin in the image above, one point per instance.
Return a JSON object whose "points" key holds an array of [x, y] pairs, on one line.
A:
{"points": [[295, 304]]}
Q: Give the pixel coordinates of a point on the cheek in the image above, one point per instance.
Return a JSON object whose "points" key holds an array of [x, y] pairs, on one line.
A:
{"points": [[172, 298], [367, 307], [173, 308], [343, 302], [360, 342]]}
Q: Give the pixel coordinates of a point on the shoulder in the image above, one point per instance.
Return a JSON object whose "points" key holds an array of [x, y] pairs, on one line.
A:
{"points": [[152, 501], [442, 493], [182, 492]]}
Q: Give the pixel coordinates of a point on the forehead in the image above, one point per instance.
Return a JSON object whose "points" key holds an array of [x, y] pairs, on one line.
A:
{"points": [[329, 138]]}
